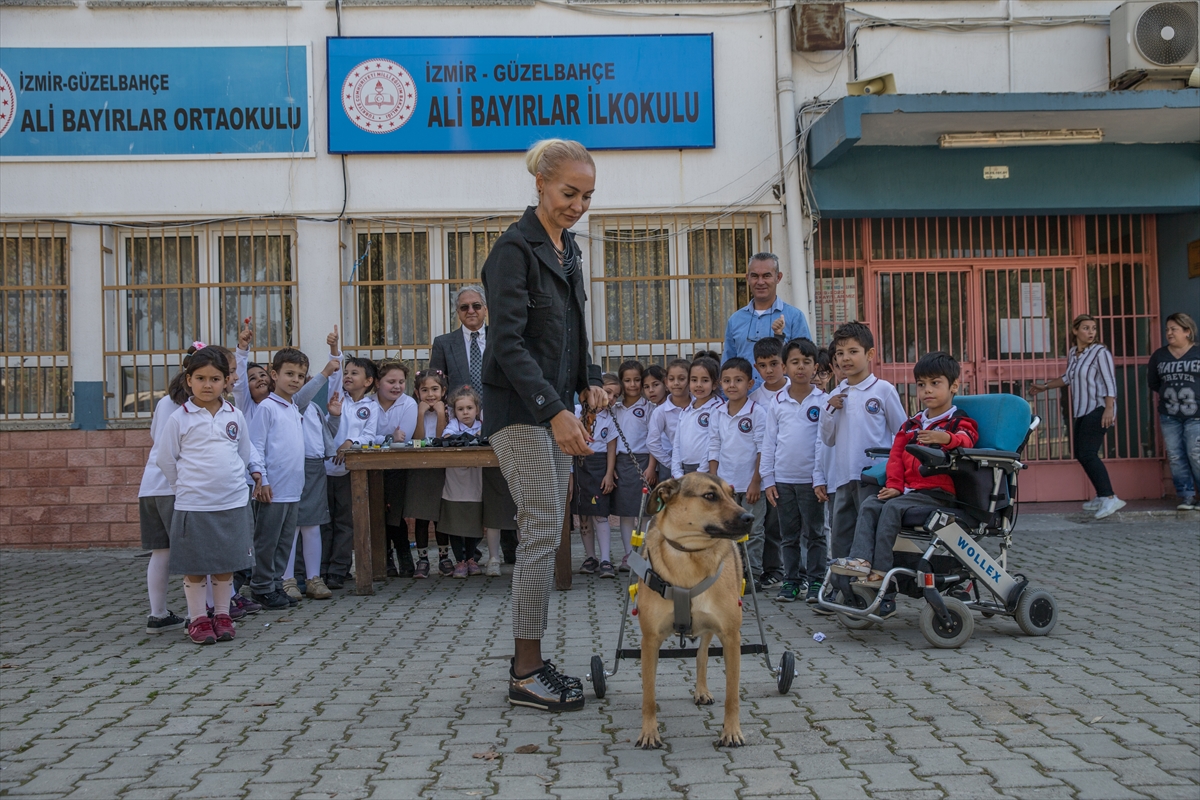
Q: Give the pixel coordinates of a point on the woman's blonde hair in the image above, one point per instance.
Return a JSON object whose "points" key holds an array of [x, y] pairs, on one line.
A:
{"points": [[548, 156]]}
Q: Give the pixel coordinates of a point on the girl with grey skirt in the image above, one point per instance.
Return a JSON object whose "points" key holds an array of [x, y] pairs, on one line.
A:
{"points": [[204, 452]]}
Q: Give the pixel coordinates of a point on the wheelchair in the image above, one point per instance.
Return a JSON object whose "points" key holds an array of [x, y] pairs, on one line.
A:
{"points": [[939, 556]]}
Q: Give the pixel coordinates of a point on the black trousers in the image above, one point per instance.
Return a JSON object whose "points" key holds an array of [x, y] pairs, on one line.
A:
{"points": [[463, 546], [422, 536], [337, 535], [1089, 439]]}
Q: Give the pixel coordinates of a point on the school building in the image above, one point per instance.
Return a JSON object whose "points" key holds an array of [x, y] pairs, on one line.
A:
{"points": [[172, 168]]}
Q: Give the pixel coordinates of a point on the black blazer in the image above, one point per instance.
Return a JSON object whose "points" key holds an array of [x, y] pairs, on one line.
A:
{"points": [[529, 297], [449, 354]]}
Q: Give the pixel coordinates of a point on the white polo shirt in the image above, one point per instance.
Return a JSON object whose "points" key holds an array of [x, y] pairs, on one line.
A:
{"points": [[870, 417], [635, 424], [692, 435], [765, 397], [736, 442], [314, 436], [154, 483], [359, 422], [603, 432], [204, 458], [660, 440], [277, 431], [402, 415], [241, 386], [792, 448]]}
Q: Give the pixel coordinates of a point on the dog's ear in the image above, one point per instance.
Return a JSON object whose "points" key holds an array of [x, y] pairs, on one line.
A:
{"points": [[732, 492], [661, 495]]}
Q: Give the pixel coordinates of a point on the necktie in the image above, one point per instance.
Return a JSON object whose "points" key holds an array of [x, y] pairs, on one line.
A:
{"points": [[475, 358]]}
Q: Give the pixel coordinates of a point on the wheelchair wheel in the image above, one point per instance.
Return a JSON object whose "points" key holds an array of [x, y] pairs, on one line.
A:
{"points": [[1037, 613], [599, 686], [861, 598], [787, 671], [951, 636]]}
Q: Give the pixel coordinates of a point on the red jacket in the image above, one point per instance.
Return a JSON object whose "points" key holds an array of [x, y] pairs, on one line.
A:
{"points": [[904, 470]]}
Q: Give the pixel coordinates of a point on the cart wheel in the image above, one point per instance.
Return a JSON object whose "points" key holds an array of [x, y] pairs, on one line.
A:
{"points": [[598, 683], [1037, 612], [961, 626], [787, 671], [861, 597]]}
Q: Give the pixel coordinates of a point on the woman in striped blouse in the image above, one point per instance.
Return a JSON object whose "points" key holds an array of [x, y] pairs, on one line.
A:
{"points": [[1093, 405]]}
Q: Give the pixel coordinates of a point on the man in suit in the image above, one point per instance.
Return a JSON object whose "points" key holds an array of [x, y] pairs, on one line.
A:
{"points": [[459, 354]]}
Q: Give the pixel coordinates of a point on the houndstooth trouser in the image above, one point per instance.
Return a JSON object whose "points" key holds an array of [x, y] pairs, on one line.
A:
{"points": [[538, 473]]}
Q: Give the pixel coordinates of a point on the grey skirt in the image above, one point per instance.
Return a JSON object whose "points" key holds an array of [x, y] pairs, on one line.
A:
{"points": [[461, 518], [212, 542], [499, 508], [590, 501], [627, 498], [154, 514], [423, 494], [314, 501], [394, 483]]}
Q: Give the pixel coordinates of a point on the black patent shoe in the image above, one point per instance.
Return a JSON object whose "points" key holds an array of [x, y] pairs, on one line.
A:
{"points": [[544, 690]]}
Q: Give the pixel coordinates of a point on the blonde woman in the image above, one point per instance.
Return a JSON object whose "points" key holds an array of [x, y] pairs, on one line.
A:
{"points": [[535, 361]]}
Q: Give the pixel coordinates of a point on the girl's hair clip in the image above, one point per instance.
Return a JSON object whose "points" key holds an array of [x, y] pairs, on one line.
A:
{"points": [[199, 345]]}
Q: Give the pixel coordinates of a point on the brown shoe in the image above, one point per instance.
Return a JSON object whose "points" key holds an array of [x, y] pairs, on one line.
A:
{"points": [[315, 589]]}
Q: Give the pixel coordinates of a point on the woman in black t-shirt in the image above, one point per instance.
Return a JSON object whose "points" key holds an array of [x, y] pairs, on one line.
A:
{"points": [[1174, 373]]}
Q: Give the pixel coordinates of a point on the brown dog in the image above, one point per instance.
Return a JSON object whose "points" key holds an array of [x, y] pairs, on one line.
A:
{"points": [[691, 535]]}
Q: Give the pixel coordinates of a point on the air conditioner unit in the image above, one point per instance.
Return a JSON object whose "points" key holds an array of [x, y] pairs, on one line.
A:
{"points": [[1157, 40]]}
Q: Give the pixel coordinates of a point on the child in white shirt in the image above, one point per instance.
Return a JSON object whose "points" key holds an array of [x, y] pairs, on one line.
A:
{"points": [[632, 417], [398, 419], [595, 479], [660, 439], [689, 453], [768, 362], [792, 468], [863, 412], [735, 446], [461, 515]]}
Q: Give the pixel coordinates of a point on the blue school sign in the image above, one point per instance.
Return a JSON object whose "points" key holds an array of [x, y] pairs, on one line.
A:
{"points": [[154, 102], [488, 94]]}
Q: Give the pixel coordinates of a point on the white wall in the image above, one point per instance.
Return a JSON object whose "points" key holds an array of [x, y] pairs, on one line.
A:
{"points": [[747, 132], [1068, 58]]}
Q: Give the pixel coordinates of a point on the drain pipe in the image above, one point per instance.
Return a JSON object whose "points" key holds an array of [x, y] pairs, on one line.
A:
{"points": [[797, 262]]}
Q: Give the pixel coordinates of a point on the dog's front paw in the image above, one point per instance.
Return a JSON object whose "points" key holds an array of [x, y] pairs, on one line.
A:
{"points": [[650, 739], [731, 738], [703, 698]]}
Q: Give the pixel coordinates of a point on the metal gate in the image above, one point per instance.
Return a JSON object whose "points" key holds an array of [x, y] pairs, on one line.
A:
{"points": [[999, 294]]}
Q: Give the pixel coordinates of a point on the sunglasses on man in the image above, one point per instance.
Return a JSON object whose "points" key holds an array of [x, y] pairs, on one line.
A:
{"points": [[465, 307]]}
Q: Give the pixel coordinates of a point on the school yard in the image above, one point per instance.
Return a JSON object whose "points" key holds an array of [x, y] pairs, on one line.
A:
{"points": [[403, 694]]}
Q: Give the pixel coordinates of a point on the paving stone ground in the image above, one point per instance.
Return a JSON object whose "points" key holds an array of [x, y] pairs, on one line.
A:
{"points": [[396, 695]]}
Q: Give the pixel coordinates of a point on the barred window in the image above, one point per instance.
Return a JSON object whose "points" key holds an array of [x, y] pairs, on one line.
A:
{"points": [[669, 283], [35, 343], [168, 287], [399, 289]]}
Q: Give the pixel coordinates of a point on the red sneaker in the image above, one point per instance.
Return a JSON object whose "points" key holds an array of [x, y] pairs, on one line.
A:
{"points": [[223, 627], [201, 631]]}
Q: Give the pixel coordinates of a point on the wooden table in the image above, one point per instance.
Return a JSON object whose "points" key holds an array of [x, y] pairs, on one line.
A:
{"points": [[366, 491]]}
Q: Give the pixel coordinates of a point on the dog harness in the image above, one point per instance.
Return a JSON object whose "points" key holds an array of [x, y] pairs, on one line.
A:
{"points": [[680, 597]]}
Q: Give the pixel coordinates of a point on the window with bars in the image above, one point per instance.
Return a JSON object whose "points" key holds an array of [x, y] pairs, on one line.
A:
{"points": [[168, 287], [35, 382], [400, 287], [668, 284]]}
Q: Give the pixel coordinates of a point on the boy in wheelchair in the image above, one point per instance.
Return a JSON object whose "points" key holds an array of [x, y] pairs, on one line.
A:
{"points": [[941, 424]]}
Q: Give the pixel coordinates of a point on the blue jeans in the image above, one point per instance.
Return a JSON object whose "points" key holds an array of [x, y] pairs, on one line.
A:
{"points": [[1182, 437]]}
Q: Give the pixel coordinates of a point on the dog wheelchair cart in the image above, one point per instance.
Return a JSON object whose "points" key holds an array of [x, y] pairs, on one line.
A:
{"points": [[640, 569], [938, 556]]}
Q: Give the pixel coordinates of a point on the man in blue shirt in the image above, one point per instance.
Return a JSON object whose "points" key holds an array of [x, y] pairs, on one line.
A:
{"points": [[765, 315]]}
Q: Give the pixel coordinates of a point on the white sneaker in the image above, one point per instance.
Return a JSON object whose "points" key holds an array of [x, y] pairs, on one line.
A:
{"points": [[1187, 505], [493, 568], [1109, 506], [1093, 504]]}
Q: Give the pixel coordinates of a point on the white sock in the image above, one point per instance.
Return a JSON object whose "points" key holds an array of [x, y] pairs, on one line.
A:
{"points": [[208, 592], [310, 536], [158, 576], [627, 524], [193, 590], [603, 534], [588, 534], [289, 572], [222, 592], [493, 543]]}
